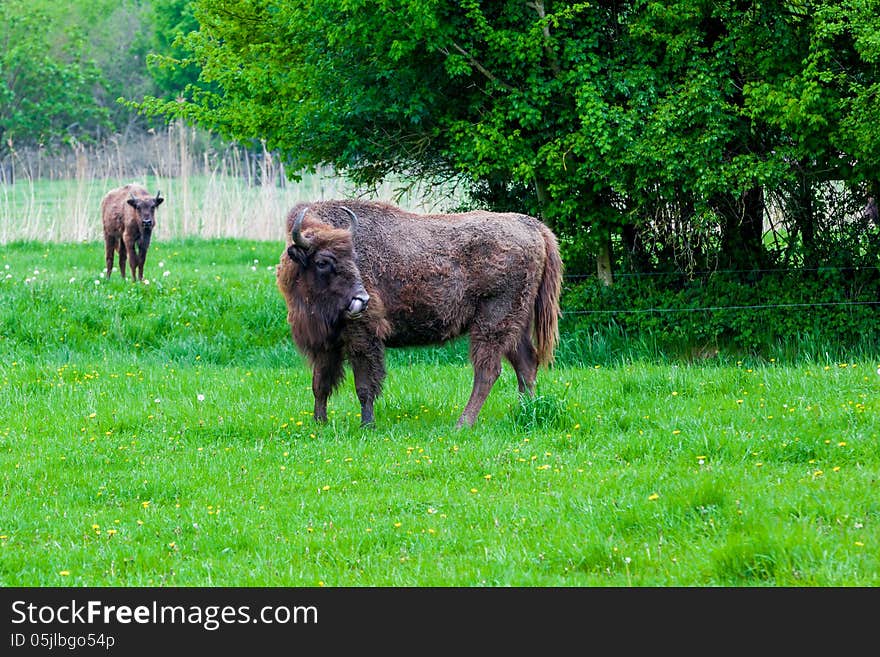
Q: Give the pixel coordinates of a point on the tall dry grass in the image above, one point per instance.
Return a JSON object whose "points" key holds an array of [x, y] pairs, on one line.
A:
{"points": [[211, 190]]}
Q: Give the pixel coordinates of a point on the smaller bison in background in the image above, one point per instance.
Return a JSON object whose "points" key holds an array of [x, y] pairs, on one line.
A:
{"points": [[129, 216]]}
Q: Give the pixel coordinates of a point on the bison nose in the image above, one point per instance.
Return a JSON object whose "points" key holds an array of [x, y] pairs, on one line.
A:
{"points": [[359, 303]]}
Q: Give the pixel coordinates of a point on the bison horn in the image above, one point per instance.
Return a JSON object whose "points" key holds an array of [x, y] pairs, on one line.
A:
{"points": [[298, 238], [354, 219]]}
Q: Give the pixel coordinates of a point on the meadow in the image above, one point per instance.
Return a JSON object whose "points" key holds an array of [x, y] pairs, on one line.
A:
{"points": [[160, 434]]}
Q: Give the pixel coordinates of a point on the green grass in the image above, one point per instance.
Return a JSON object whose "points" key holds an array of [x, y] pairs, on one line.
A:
{"points": [[161, 434]]}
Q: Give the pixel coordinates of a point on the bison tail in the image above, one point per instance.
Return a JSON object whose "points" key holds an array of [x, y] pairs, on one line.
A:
{"points": [[547, 301]]}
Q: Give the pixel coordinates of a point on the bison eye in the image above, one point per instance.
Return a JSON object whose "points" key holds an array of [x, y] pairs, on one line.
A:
{"points": [[325, 266]]}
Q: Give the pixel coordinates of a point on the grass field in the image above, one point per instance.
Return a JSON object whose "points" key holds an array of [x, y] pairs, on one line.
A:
{"points": [[161, 434]]}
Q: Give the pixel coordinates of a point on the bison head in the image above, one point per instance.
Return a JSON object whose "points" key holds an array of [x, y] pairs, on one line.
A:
{"points": [[329, 279], [146, 208]]}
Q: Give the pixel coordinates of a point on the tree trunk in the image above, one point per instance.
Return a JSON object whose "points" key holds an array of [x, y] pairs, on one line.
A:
{"points": [[742, 229], [603, 263], [805, 220], [753, 225]]}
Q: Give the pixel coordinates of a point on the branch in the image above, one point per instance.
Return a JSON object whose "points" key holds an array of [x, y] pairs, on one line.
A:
{"points": [[482, 69], [538, 6]]}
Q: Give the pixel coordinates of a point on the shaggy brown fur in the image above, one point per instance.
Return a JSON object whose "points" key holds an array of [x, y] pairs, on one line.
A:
{"points": [[424, 279], [128, 214]]}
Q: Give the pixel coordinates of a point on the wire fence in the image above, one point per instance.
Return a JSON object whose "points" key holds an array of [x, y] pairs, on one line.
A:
{"points": [[710, 272], [695, 276], [816, 304]]}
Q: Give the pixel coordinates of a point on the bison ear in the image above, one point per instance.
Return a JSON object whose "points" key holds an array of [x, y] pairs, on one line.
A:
{"points": [[133, 203], [159, 200], [298, 254]]}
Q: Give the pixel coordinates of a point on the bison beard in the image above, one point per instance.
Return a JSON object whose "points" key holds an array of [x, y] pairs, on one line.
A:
{"points": [[360, 276]]}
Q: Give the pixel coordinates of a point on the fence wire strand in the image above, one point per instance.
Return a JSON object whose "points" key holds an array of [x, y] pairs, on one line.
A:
{"points": [[717, 308]]}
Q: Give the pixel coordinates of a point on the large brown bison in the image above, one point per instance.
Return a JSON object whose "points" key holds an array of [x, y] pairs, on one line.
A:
{"points": [[129, 216], [358, 276]]}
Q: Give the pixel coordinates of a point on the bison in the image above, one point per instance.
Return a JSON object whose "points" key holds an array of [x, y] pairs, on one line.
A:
{"points": [[360, 276], [129, 216]]}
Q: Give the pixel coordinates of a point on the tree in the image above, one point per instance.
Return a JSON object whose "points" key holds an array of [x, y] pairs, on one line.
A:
{"points": [[120, 34], [43, 97], [168, 64], [657, 129], [105, 42], [825, 115], [481, 92]]}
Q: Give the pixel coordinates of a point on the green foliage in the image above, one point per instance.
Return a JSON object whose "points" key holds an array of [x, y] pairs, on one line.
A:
{"points": [[167, 63], [45, 96], [668, 122], [122, 34], [470, 91], [72, 62]]}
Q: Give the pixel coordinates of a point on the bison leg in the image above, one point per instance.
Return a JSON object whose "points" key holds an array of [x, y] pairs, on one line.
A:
{"points": [[131, 253], [487, 369], [369, 372], [524, 359], [142, 259], [123, 252], [110, 246], [137, 264], [326, 375]]}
